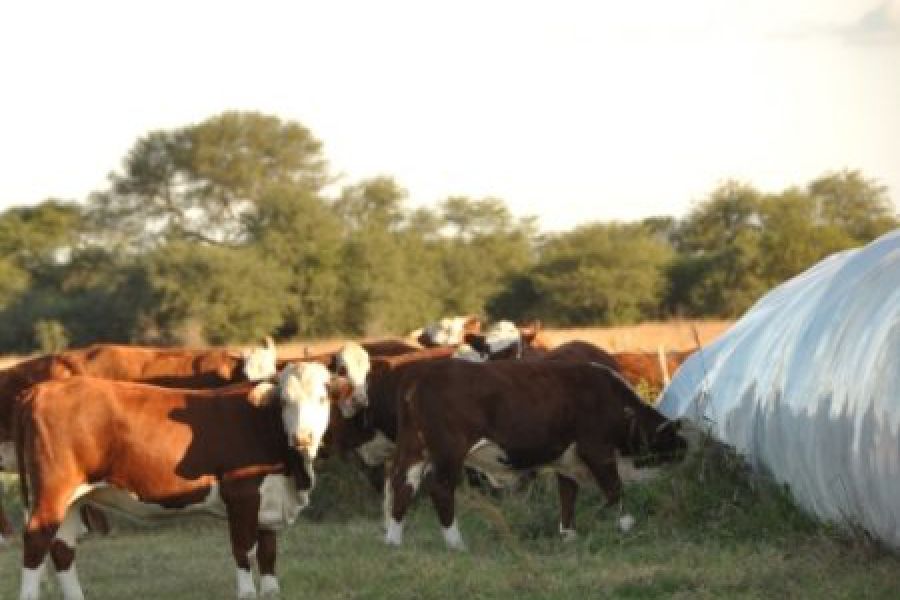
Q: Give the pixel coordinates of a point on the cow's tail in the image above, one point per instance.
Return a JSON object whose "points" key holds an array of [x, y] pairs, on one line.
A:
{"points": [[18, 430]]}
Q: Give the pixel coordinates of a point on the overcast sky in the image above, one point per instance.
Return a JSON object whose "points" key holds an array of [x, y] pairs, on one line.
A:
{"points": [[573, 111]]}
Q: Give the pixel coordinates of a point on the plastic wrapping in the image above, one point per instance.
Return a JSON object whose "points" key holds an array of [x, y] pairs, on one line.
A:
{"points": [[806, 385]]}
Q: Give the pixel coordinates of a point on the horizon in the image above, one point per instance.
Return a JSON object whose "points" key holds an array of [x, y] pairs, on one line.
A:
{"points": [[573, 114]]}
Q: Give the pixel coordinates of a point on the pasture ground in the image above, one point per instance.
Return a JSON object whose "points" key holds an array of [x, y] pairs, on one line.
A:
{"points": [[706, 529]]}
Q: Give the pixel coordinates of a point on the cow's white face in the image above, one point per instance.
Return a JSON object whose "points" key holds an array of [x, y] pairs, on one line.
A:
{"points": [[352, 362], [502, 335], [446, 332], [305, 405], [259, 362]]}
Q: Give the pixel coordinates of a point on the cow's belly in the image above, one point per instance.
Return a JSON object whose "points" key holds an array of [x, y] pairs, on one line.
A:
{"points": [[376, 451], [280, 503], [490, 459]]}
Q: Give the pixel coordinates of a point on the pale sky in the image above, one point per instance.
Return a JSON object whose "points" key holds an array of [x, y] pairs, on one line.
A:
{"points": [[572, 111]]}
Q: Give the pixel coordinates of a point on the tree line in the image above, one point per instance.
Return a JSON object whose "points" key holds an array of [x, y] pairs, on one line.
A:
{"points": [[233, 228]]}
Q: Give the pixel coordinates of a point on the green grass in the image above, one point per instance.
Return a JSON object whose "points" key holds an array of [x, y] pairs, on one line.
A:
{"points": [[707, 529]]}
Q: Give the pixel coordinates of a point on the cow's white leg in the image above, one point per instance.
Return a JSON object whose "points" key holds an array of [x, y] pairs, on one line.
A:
{"points": [[66, 573], [31, 583], [394, 535], [268, 586], [567, 534], [388, 503], [245, 586], [452, 537]]}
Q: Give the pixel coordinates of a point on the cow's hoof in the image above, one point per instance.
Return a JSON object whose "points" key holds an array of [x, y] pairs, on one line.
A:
{"points": [[268, 587], [626, 522], [568, 535]]}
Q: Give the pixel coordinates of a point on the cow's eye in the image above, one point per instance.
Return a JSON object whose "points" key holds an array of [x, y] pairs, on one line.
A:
{"points": [[342, 370]]}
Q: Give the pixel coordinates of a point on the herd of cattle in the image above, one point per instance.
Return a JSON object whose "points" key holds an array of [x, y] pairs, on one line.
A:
{"points": [[152, 432]]}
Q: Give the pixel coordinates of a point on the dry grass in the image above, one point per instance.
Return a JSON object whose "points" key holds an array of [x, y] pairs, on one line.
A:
{"points": [[645, 337]]}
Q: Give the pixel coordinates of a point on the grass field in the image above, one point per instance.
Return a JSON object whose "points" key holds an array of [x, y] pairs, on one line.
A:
{"points": [[706, 529]]}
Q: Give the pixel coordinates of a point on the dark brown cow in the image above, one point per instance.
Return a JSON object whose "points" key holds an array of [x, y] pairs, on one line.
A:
{"points": [[152, 452], [512, 417], [172, 367]]}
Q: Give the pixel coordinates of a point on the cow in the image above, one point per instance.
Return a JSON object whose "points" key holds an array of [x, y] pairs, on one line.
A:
{"points": [[649, 368], [173, 367], [368, 429], [449, 331], [515, 417], [505, 340], [242, 452]]}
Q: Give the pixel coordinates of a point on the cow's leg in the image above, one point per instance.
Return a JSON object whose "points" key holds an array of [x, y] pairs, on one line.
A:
{"points": [[6, 529], [242, 507], [568, 491], [94, 520], [265, 557], [602, 463], [442, 490], [41, 528], [62, 551], [406, 474]]}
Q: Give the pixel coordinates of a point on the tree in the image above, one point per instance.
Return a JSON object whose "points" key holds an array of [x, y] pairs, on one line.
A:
{"points": [[857, 206], [599, 273], [215, 294], [719, 268], [482, 250], [202, 182]]}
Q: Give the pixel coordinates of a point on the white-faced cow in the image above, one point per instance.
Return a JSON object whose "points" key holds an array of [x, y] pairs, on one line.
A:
{"points": [[242, 452], [516, 416], [171, 367], [504, 340], [449, 331]]}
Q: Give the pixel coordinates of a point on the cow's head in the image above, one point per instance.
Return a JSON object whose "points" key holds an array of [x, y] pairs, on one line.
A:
{"points": [[259, 362], [449, 331], [352, 362], [305, 392], [503, 340], [654, 439]]}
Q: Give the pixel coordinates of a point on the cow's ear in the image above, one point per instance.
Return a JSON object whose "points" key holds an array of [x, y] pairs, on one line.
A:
{"points": [[472, 325], [339, 388], [262, 394], [225, 370]]}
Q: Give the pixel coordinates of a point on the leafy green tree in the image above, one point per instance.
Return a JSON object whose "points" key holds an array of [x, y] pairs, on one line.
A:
{"points": [[299, 234], [201, 183], [482, 250], [857, 206], [719, 269], [600, 274], [230, 294], [388, 282]]}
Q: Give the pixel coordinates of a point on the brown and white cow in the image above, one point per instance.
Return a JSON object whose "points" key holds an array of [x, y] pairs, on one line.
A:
{"points": [[242, 452], [449, 331], [505, 340], [516, 417], [650, 368], [171, 367]]}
